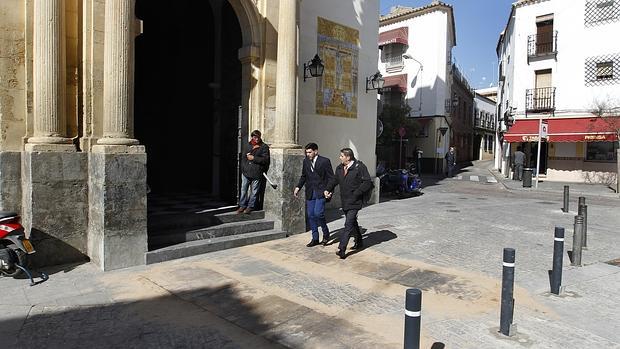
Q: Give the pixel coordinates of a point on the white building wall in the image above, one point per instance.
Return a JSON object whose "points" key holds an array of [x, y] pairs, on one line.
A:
{"points": [[432, 52], [576, 43], [333, 133]]}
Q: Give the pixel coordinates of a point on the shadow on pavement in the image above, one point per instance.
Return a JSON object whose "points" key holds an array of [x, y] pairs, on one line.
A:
{"points": [[198, 318]]}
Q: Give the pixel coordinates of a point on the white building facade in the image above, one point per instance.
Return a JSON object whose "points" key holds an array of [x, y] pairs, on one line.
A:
{"points": [[484, 126], [558, 62], [415, 61]]}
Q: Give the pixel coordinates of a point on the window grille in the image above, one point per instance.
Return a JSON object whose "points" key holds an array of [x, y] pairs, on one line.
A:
{"points": [[602, 70], [601, 12]]}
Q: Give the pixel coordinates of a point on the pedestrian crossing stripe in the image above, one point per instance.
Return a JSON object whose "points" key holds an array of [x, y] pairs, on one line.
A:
{"points": [[474, 178]]}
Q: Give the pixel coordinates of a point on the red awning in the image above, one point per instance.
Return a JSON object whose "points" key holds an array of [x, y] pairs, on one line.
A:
{"points": [[590, 129], [394, 36], [396, 82]]}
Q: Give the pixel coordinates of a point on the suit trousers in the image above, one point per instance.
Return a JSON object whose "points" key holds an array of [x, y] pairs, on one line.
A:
{"points": [[316, 215], [351, 227]]}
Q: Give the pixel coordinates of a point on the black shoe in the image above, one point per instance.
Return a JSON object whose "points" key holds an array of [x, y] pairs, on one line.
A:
{"points": [[325, 241], [312, 243], [341, 254], [358, 246]]}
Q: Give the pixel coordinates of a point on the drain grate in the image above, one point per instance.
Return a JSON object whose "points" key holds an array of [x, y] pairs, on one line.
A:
{"points": [[453, 211]]}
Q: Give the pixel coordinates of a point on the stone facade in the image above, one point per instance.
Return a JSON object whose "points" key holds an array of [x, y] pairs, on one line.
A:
{"points": [[70, 160]]}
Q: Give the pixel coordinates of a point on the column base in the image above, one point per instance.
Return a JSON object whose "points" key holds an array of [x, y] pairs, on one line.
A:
{"points": [[280, 204], [49, 140], [117, 232], [117, 141], [55, 205]]}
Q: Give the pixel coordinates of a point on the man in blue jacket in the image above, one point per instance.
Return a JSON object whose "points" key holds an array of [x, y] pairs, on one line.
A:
{"points": [[354, 180], [315, 174]]}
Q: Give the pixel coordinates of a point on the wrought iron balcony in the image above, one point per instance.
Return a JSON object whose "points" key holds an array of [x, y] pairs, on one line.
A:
{"points": [[540, 100], [544, 44]]}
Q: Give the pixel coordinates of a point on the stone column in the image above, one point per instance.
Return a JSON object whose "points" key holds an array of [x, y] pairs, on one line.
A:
{"points": [[118, 68], [49, 73], [117, 231], [285, 130], [286, 154], [54, 174]]}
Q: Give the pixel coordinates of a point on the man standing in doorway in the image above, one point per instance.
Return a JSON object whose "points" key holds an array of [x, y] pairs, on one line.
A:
{"points": [[253, 165], [451, 161], [315, 174], [354, 180], [519, 161]]}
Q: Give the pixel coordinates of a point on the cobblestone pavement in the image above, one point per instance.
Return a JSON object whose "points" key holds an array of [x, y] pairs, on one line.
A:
{"points": [[448, 242]]}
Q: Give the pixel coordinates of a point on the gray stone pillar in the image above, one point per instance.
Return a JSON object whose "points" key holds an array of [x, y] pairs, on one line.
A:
{"points": [[286, 154], [118, 68], [117, 231], [53, 173]]}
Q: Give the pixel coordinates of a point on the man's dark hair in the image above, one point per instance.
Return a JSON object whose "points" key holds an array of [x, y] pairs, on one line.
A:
{"points": [[348, 152], [519, 148], [256, 133], [312, 146]]}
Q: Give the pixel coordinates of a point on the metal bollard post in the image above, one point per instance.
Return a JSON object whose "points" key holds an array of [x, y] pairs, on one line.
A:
{"points": [[585, 225], [577, 240], [558, 252], [413, 308], [582, 200], [508, 278], [565, 208]]}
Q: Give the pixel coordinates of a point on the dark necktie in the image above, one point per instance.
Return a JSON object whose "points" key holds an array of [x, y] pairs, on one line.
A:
{"points": [[346, 169]]}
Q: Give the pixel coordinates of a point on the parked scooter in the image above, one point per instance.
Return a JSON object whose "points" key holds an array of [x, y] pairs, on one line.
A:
{"points": [[15, 248], [402, 181]]}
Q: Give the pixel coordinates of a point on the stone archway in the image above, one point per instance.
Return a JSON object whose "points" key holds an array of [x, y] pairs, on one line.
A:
{"points": [[193, 69]]}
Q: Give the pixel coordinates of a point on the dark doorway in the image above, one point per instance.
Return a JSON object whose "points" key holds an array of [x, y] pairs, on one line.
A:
{"points": [[187, 93], [476, 145]]}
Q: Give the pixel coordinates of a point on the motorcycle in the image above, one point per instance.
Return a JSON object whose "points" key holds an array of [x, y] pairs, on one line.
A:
{"points": [[15, 248], [401, 181]]}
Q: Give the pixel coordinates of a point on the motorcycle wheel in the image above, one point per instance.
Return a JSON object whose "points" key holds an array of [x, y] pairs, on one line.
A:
{"points": [[21, 260]]}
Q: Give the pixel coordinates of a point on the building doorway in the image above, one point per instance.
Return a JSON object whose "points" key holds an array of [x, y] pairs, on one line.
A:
{"points": [[187, 94]]}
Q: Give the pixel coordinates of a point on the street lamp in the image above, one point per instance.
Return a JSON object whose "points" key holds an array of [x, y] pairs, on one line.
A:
{"points": [[375, 82], [314, 67], [420, 70]]}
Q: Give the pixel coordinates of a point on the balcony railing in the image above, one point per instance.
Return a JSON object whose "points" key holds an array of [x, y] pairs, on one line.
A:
{"points": [[540, 100], [542, 44], [394, 62]]}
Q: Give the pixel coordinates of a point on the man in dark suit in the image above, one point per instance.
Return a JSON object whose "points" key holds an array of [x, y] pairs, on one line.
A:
{"points": [[315, 174], [354, 180]]}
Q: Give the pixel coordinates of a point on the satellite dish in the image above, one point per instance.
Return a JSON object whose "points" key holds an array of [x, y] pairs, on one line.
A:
{"points": [[379, 128]]}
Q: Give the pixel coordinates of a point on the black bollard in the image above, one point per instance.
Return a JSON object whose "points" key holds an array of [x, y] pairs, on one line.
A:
{"points": [[577, 240], [558, 252], [585, 226], [565, 208], [582, 200], [508, 279], [413, 307]]}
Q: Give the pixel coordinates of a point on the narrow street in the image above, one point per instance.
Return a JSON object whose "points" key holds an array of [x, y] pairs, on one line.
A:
{"points": [[447, 242]]}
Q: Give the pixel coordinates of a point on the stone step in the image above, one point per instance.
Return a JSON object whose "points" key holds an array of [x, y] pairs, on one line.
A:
{"points": [[193, 248], [189, 219], [175, 236]]}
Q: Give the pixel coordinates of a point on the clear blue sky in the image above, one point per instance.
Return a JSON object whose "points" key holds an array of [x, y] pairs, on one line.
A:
{"points": [[478, 24]]}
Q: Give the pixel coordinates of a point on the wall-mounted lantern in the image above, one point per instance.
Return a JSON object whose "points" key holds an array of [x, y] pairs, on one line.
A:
{"points": [[314, 68], [375, 82]]}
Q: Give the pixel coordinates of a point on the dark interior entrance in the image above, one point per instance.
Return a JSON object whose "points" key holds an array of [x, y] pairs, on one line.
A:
{"points": [[187, 93]]}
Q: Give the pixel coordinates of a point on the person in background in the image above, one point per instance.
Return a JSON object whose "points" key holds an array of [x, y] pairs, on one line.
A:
{"points": [[253, 165], [451, 161]]}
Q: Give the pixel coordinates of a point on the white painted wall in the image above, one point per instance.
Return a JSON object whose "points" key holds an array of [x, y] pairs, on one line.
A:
{"points": [[576, 43], [430, 44], [333, 133]]}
